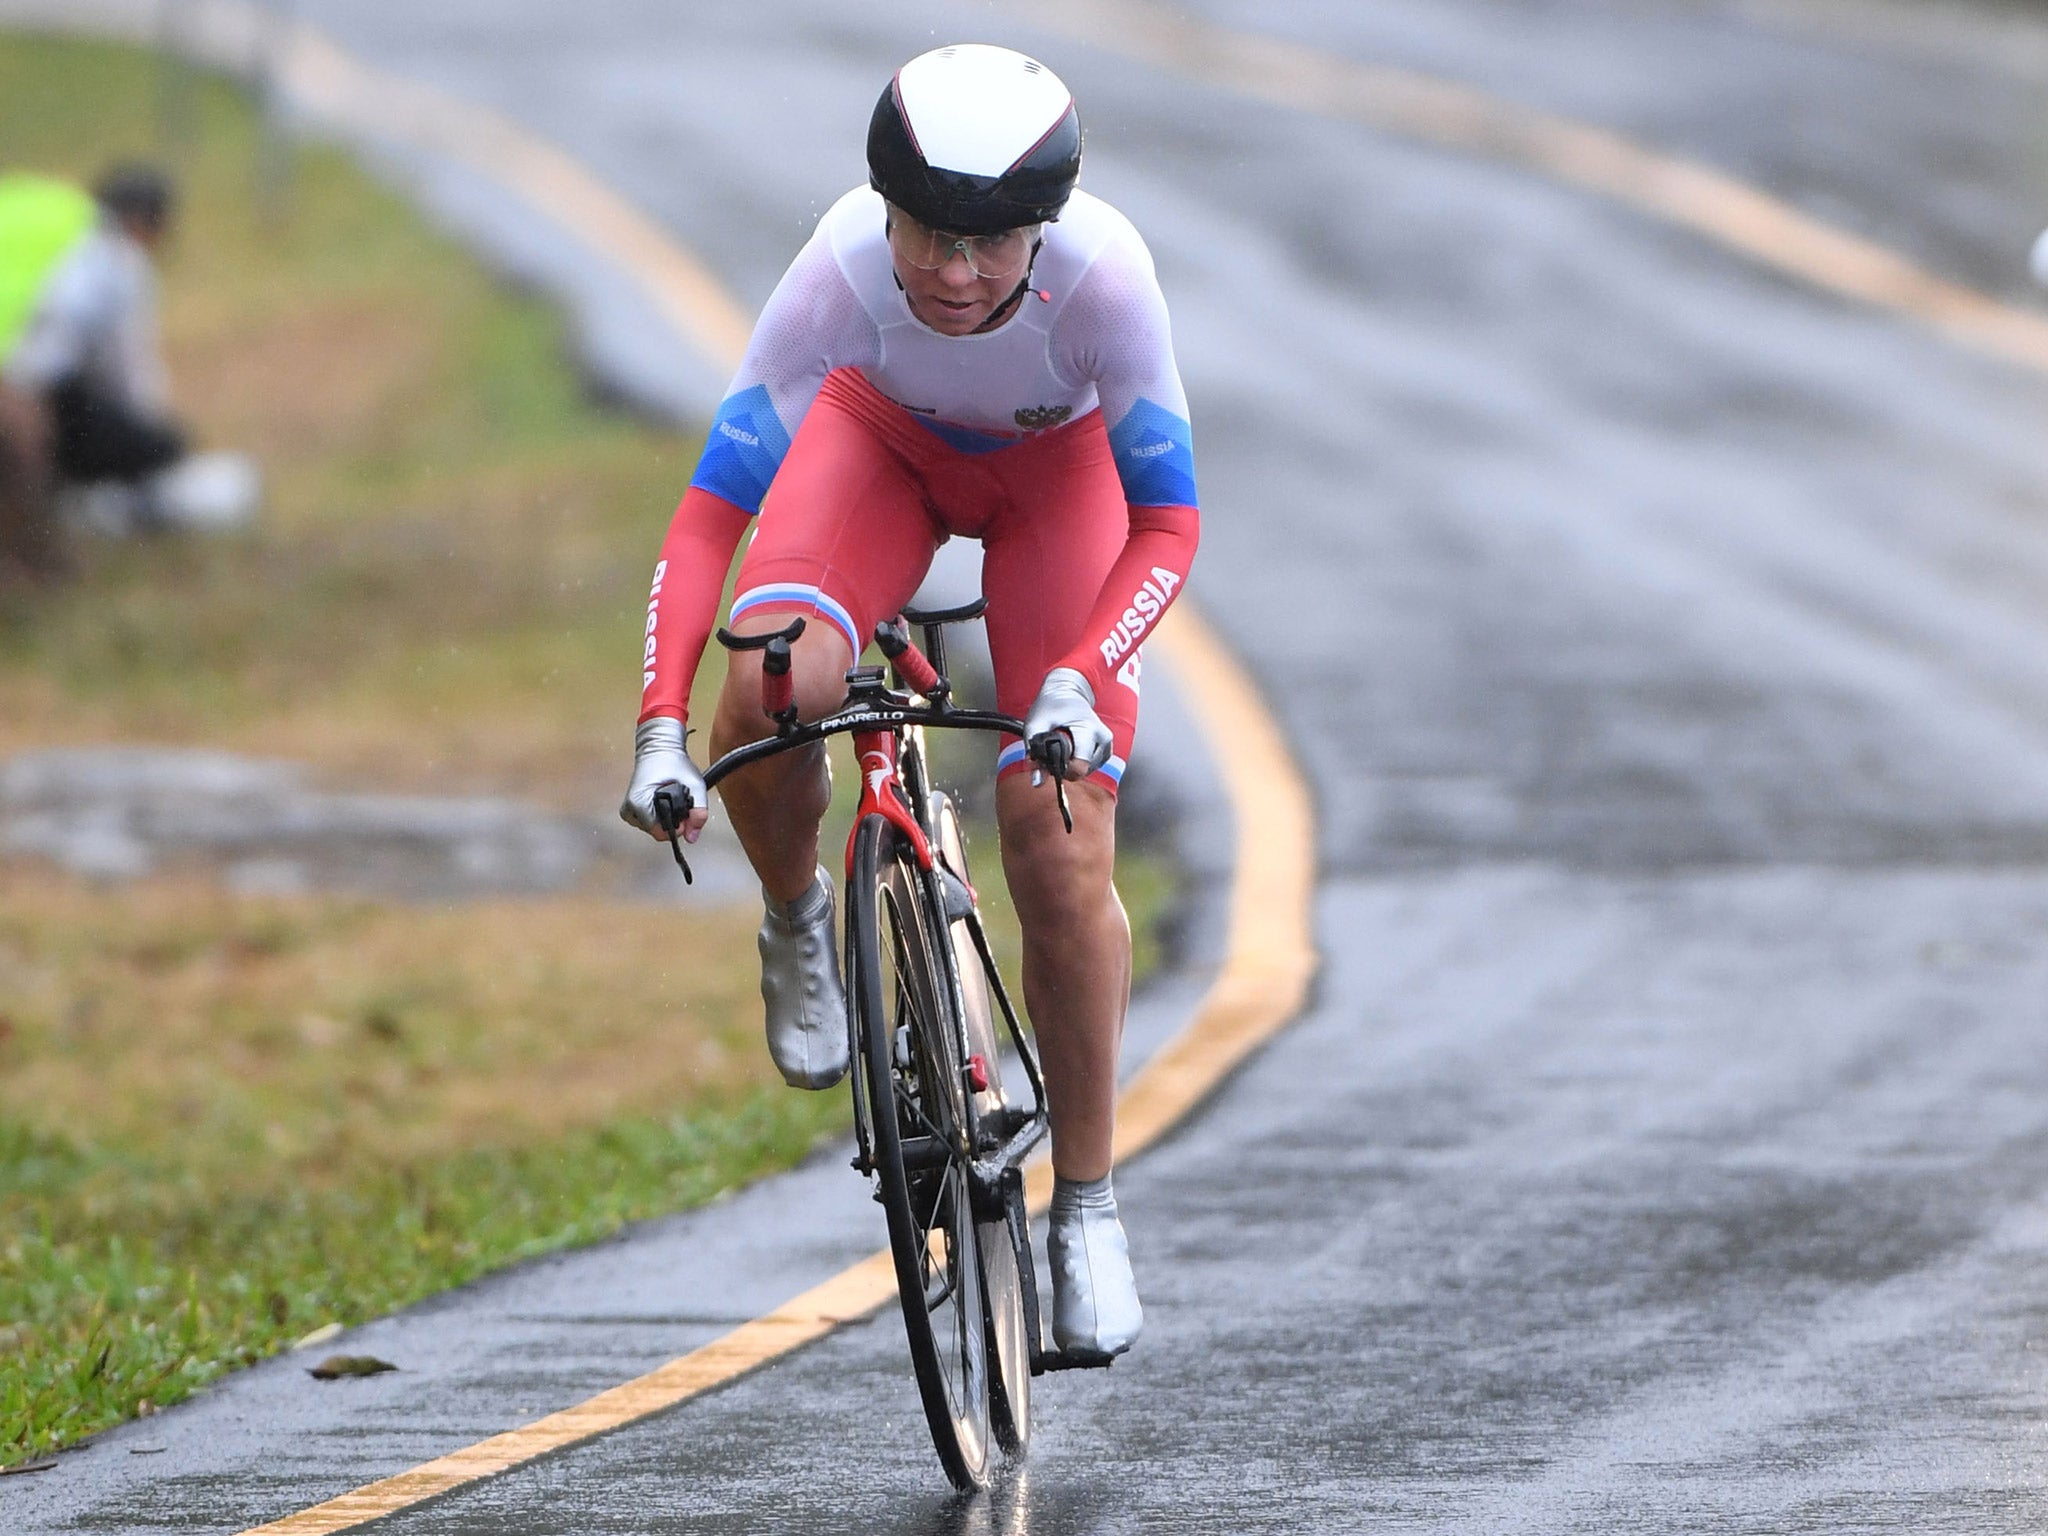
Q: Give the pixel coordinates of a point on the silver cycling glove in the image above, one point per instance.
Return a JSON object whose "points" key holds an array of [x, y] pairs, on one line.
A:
{"points": [[1067, 703], [658, 760]]}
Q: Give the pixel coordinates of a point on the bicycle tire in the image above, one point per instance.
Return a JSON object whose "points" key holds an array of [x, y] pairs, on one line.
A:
{"points": [[1002, 1261], [908, 1033]]}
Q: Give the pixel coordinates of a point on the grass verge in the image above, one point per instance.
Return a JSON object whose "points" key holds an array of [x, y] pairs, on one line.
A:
{"points": [[226, 1121]]}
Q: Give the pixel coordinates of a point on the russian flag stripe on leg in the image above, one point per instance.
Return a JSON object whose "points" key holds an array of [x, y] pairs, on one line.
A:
{"points": [[790, 593], [1015, 752]]}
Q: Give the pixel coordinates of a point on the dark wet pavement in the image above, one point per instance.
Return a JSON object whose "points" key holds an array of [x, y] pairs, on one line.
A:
{"points": [[1667, 1148]]}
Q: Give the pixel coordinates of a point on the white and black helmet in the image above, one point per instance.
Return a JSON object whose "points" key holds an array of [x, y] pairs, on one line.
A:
{"points": [[975, 139]]}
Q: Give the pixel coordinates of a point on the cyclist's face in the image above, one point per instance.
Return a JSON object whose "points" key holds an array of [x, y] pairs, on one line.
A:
{"points": [[953, 297]]}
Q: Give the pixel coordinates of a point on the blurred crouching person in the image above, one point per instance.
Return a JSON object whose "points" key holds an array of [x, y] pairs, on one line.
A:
{"points": [[86, 400]]}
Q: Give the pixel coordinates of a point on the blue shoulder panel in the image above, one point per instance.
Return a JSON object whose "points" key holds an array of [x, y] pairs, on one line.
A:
{"points": [[747, 446], [1155, 456]]}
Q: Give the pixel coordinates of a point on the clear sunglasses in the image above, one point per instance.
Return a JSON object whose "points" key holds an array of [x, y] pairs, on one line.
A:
{"points": [[1003, 254]]}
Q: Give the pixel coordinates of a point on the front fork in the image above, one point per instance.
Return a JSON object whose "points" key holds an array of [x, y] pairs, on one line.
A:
{"points": [[881, 794]]}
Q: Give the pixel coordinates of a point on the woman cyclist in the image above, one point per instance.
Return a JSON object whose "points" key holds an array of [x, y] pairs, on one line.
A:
{"points": [[967, 345]]}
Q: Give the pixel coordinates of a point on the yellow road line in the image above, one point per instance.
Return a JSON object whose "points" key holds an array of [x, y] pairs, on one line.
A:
{"points": [[342, 88], [1269, 955], [1418, 106], [1270, 958], [851, 1294]]}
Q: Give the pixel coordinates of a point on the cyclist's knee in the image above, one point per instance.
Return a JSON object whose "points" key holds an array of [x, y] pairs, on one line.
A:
{"points": [[818, 664], [1053, 873]]}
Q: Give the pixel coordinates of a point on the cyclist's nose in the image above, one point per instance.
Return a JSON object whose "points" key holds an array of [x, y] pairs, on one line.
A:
{"points": [[958, 270]]}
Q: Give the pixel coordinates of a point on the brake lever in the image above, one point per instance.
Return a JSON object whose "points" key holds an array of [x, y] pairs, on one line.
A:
{"points": [[671, 818], [1055, 749]]}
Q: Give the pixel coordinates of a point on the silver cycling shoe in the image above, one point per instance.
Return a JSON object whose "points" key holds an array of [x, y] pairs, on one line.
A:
{"points": [[800, 986], [1095, 1306]]}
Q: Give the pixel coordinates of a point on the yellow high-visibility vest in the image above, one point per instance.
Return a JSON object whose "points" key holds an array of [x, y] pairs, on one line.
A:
{"points": [[41, 219]]}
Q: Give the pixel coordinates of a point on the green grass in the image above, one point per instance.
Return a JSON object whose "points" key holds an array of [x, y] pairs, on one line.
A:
{"points": [[135, 1287], [226, 1121]]}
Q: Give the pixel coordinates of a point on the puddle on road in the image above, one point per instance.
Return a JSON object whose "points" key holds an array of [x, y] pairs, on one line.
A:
{"points": [[123, 813]]}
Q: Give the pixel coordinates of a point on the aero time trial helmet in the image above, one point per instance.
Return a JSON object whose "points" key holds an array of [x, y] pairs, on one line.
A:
{"points": [[975, 139]]}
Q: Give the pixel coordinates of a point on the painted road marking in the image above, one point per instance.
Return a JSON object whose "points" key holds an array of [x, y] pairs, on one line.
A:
{"points": [[1684, 192], [327, 80], [1269, 956]]}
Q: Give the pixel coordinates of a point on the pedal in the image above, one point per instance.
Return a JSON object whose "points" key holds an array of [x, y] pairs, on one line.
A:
{"points": [[1072, 1360]]}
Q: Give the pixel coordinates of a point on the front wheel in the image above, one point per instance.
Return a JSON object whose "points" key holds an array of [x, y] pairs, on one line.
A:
{"points": [[909, 1033], [1003, 1229]]}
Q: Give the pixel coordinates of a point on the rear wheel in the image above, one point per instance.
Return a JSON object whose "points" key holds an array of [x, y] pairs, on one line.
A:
{"points": [[915, 1083]]}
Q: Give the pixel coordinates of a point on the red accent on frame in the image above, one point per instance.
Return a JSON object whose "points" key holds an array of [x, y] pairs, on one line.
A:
{"points": [[881, 793]]}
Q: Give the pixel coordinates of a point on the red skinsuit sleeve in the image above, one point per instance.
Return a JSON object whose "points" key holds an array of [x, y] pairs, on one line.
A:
{"points": [[688, 582], [1141, 586]]}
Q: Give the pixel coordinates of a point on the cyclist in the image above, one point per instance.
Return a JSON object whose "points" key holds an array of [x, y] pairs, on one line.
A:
{"points": [[967, 345]]}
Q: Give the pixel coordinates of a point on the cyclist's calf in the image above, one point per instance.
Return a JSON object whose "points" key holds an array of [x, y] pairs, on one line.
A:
{"points": [[1077, 957]]}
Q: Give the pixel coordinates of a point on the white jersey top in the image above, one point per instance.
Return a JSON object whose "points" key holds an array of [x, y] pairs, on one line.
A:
{"points": [[1092, 335], [96, 322]]}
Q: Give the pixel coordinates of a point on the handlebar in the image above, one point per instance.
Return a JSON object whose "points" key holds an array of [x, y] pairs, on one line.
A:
{"points": [[869, 705], [892, 636]]}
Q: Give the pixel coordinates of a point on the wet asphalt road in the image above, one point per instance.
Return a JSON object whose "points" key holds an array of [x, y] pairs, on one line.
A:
{"points": [[1668, 1146]]}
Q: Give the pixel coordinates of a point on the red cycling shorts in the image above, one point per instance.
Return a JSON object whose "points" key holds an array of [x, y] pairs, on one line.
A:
{"points": [[866, 495]]}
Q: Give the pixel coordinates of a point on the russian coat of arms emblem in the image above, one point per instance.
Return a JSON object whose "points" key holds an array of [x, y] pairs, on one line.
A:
{"points": [[1036, 418]]}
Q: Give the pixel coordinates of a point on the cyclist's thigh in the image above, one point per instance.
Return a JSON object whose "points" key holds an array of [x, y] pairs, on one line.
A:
{"points": [[1045, 558], [845, 534]]}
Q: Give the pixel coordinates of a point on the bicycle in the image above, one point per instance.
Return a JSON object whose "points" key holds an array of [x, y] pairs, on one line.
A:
{"points": [[935, 1122]]}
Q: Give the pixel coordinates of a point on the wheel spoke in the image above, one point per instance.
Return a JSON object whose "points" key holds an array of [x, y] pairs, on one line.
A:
{"points": [[909, 1106], [907, 999], [945, 1261], [910, 1011], [948, 1282]]}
